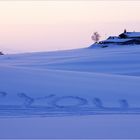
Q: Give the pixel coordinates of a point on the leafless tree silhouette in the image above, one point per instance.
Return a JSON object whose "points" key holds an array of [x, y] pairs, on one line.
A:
{"points": [[95, 37]]}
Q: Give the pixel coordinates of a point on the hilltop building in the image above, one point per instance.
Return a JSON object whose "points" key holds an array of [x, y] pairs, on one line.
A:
{"points": [[125, 38]]}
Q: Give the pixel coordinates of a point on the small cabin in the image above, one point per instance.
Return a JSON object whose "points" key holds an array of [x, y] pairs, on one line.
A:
{"points": [[131, 35], [126, 38]]}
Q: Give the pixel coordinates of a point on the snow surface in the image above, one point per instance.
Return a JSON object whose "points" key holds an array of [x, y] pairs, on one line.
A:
{"points": [[82, 93], [116, 40]]}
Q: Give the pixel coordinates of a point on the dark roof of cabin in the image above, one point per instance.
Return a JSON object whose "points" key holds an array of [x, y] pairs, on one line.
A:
{"points": [[132, 34]]}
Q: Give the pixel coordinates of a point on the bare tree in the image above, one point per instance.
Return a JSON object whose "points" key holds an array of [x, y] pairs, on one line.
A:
{"points": [[95, 37]]}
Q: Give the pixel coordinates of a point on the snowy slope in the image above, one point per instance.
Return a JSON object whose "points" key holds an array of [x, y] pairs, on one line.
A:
{"points": [[116, 60], [71, 83], [90, 79]]}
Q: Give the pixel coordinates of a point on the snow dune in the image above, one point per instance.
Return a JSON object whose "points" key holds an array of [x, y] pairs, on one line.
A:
{"points": [[98, 81], [117, 60]]}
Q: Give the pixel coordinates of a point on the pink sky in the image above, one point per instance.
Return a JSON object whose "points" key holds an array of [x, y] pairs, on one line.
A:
{"points": [[54, 25]]}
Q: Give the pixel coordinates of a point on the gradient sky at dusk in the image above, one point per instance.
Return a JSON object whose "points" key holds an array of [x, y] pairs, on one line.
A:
{"points": [[54, 25]]}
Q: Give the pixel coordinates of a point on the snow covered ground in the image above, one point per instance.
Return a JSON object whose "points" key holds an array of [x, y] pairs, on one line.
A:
{"points": [[82, 93]]}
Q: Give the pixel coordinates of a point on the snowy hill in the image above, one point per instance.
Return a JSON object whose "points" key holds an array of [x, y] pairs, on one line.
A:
{"points": [[71, 83], [67, 80]]}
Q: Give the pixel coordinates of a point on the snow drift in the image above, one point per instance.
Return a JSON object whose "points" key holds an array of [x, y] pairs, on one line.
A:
{"points": [[75, 82], [83, 93]]}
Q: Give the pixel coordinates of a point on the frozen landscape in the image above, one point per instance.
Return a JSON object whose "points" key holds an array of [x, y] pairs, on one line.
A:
{"points": [[69, 69], [83, 93]]}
